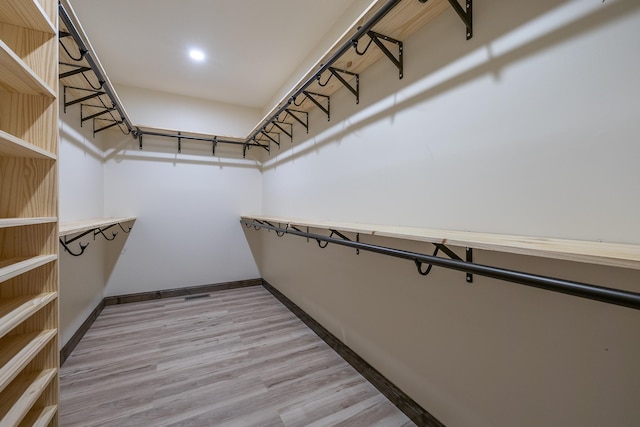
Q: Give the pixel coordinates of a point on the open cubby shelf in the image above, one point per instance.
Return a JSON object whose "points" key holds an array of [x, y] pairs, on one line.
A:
{"points": [[22, 394], [16, 76], [26, 13], [17, 147], [18, 351], [12, 267]]}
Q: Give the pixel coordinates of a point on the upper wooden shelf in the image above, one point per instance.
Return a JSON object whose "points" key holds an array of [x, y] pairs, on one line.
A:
{"points": [[406, 18], [16, 76], [73, 227], [26, 13], [613, 254], [15, 147]]}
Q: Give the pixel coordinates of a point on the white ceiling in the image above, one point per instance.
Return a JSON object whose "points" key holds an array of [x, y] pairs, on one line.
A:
{"points": [[252, 46]]}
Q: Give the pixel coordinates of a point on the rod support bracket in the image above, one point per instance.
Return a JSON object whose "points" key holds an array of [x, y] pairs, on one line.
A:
{"points": [[469, 259], [315, 98], [399, 61], [297, 116], [466, 14]]}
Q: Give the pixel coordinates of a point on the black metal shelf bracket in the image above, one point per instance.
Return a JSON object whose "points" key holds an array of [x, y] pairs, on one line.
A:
{"points": [[296, 114], [337, 73], [82, 52], [65, 241], [271, 139], [398, 62], [94, 94], [377, 39], [77, 69], [125, 231], [333, 233], [254, 142], [452, 255], [84, 118], [280, 124], [109, 126], [82, 70], [594, 292], [100, 231], [465, 14], [469, 258], [64, 244], [316, 99]]}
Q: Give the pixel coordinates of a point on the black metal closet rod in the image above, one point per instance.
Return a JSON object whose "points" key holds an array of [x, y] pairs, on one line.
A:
{"points": [[86, 53], [346, 46], [192, 138], [598, 293]]}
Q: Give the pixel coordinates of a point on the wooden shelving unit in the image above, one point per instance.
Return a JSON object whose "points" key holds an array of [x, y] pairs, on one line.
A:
{"points": [[29, 358], [613, 254]]}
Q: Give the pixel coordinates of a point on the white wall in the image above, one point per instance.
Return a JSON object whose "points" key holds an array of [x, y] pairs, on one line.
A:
{"points": [[167, 111], [526, 129], [529, 128], [489, 353], [81, 196], [188, 207]]}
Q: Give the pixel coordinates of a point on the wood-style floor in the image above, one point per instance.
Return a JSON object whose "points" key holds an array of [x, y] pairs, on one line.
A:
{"points": [[235, 358]]}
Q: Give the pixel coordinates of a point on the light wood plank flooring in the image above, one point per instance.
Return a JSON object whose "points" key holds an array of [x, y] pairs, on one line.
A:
{"points": [[235, 358]]}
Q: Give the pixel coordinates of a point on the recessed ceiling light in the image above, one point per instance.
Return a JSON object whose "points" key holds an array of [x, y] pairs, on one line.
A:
{"points": [[196, 55]]}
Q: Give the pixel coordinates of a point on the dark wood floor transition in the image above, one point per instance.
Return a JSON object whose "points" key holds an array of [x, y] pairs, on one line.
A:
{"points": [[235, 358]]}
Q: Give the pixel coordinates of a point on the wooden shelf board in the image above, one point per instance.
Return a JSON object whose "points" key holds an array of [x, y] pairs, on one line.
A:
{"points": [[22, 394], [73, 227], [16, 76], [15, 147], [12, 267], [18, 222], [39, 417], [26, 13], [612, 254], [15, 310], [18, 351]]}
